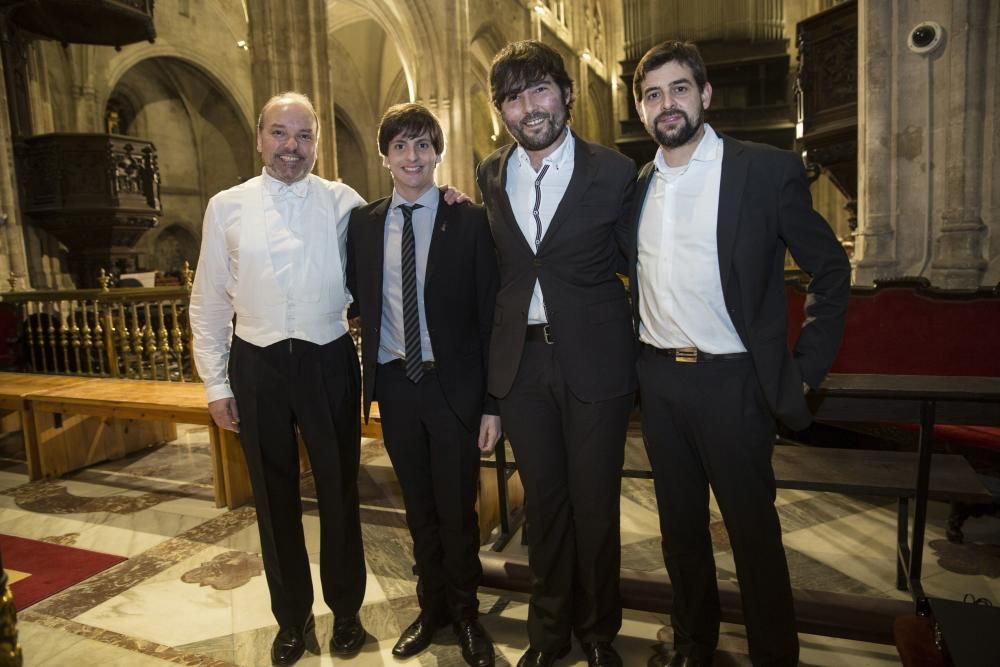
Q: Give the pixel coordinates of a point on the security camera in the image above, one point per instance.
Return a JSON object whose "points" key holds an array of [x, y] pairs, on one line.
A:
{"points": [[925, 37]]}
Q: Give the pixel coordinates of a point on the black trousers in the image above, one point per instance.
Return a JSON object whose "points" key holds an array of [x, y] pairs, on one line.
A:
{"points": [[570, 456], [707, 425], [437, 463], [290, 383]]}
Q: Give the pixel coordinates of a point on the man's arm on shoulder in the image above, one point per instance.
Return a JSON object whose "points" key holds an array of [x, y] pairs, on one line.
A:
{"points": [[816, 250], [211, 310]]}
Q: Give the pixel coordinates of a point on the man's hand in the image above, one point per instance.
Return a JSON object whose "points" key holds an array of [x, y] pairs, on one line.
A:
{"points": [[224, 414], [453, 196], [489, 433]]}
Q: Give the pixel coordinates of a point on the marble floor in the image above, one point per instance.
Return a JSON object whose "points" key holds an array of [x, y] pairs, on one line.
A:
{"points": [[192, 591]]}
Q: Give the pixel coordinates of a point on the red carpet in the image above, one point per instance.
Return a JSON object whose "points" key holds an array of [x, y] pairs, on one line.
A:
{"points": [[49, 567]]}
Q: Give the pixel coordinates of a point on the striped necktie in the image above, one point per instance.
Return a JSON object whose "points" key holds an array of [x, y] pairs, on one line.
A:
{"points": [[411, 314]]}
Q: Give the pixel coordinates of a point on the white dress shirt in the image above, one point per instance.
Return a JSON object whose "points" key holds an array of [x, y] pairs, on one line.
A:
{"points": [[680, 290], [392, 341], [538, 193], [273, 254]]}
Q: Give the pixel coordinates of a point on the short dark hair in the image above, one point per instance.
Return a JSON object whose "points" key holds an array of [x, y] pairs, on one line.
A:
{"points": [[411, 120], [523, 63], [685, 53]]}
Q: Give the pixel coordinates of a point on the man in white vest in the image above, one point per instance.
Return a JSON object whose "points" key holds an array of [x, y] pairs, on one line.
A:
{"points": [[272, 254]]}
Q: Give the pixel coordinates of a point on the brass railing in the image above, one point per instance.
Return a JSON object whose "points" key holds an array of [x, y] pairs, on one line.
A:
{"points": [[140, 332]]}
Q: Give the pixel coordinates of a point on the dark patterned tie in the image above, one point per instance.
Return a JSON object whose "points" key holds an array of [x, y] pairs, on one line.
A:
{"points": [[411, 314]]}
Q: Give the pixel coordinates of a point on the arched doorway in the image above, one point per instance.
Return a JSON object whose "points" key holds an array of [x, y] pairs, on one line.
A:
{"points": [[203, 145]]}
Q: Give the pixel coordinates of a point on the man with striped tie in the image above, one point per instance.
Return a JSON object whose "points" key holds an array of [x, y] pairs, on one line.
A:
{"points": [[424, 279]]}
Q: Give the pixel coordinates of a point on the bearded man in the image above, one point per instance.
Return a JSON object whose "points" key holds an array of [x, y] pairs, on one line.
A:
{"points": [[712, 221], [562, 352]]}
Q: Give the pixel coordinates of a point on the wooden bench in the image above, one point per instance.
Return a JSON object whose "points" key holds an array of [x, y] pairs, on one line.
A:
{"points": [[46, 401]]}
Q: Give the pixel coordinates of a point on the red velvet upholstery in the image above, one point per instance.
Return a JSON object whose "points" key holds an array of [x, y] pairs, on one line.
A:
{"points": [[908, 329], [902, 328]]}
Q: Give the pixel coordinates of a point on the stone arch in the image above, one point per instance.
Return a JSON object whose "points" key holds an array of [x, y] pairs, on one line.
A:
{"points": [[174, 245], [409, 24], [599, 117], [357, 159], [236, 95], [203, 142], [488, 132]]}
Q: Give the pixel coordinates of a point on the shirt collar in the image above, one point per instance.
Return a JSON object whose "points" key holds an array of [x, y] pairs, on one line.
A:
{"points": [[281, 190], [558, 158], [708, 149], [428, 200]]}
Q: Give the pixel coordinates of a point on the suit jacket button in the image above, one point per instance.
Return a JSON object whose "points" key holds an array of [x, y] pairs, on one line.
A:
{"points": [[536, 262]]}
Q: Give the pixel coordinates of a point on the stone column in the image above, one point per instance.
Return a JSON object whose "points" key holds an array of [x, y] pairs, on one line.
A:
{"points": [[958, 249], [88, 117], [875, 249], [288, 44], [456, 113]]}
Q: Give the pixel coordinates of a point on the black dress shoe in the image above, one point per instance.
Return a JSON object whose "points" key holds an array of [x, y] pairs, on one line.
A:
{"points": [[535, 658], [477, 649], [290, 644], [348, 636], [415, 638], [671, 658], [601, 654]]}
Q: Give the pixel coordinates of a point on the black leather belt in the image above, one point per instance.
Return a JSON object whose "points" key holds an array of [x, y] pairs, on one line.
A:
{"points": [[401, 363], [539, 333], [691, 355]]}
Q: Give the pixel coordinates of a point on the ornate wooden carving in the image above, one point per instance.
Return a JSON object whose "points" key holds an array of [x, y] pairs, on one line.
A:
{"points": [[826, 91], [96, 193], [104, 22]]}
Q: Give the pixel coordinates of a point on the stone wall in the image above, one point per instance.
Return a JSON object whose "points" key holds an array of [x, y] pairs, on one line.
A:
{"points": [[928, 183]]}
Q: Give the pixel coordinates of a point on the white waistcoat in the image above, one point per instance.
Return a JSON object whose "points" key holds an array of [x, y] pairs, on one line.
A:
{"points": [[315, 294]]}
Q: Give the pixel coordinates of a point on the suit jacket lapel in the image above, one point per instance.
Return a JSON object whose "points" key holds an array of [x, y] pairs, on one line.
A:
{"points": [[584, 169], [376, 238], [498, 185], [638, 202], [735, 162], [445, 216]]}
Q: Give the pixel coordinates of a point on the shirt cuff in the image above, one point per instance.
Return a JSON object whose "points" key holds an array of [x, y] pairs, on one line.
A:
{"points": [[217, 392]]}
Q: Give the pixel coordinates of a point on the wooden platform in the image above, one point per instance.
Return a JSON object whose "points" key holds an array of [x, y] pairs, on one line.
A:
{"points": [[857, 617]]}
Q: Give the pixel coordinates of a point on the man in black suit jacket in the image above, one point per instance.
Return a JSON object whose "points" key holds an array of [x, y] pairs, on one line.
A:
{"points": [[424, 360], [562, 352], [713, 218]]}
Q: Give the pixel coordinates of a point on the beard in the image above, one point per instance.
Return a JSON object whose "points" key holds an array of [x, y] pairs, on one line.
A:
{"points": [[290, 172], [681, 134], [541, 137]]}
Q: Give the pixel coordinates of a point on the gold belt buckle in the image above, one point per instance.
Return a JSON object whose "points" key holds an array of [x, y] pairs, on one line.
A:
{"points": [[686, 355]]}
